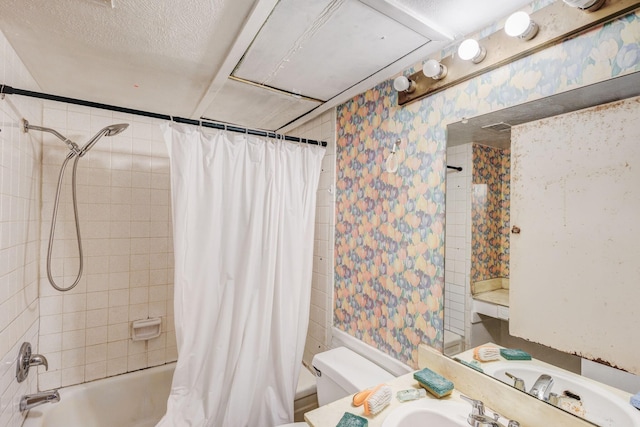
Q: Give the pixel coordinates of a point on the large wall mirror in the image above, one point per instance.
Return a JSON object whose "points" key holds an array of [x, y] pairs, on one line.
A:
{"points": [[497, 222]]}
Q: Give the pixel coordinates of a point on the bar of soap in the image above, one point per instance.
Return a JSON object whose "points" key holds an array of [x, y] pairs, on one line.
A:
{"points": [[473, 364], [434, 383], [350, 420], [514, 354]]}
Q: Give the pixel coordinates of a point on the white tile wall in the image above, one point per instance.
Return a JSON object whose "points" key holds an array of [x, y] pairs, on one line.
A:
{"points": [[321, 312], [123, 203], [19, 233], [458, 239]]}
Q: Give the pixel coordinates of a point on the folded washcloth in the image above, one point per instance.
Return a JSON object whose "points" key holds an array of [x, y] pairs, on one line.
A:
{"points": [[635, 400], [350, 420]]}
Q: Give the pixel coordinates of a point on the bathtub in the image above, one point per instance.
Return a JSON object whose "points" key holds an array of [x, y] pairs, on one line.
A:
{"points": [[136, 399]]}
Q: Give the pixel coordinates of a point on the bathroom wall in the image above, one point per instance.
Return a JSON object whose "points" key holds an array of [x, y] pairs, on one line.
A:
{"points": [[19, 233], [389, 250], [123, 201], [458, 238], [490, 213], [322, 128]]}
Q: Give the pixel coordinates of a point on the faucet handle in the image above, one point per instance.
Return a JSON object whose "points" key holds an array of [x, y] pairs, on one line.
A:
{"points": [[38, 359], [518, 383], [477, 405], [513, 423]]}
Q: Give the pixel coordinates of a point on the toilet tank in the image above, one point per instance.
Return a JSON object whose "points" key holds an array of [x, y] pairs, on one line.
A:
{"points": [[341, 372]]}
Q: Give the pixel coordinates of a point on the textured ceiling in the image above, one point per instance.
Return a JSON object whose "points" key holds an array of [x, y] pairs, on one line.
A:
{"points": [[176, 57]]}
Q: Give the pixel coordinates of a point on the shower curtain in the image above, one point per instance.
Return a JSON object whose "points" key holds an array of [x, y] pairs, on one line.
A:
{"points": [[243, 219]]}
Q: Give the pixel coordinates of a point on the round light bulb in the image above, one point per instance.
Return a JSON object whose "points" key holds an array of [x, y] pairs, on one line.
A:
{"points": [[470, 50], [520, 25], [588, 5], [401, 83], [434, 69]]}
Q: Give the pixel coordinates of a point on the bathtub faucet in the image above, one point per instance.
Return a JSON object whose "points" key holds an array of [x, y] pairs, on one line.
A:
{"points": [[29, 401]]}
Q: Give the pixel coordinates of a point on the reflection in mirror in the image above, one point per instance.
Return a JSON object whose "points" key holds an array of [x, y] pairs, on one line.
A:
{"points": [[477, 308], [595, 402], [490, 188]]}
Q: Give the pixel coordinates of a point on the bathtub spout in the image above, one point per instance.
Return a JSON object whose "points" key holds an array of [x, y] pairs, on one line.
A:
{"points": [[29, 401]]}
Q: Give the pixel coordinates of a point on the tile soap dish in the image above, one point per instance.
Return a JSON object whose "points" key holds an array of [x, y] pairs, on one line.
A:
{"points": [[142, 330]]}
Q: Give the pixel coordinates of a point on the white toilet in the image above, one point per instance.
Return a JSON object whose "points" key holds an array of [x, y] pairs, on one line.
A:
{"points": [[340, 372]]}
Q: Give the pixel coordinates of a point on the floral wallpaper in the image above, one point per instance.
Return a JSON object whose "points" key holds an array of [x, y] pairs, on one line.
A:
{"points": [[490, 200], [389, 246]]}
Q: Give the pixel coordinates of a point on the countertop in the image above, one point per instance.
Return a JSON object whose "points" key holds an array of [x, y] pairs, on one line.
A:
{"points": [[498, 296], [329, 415]]}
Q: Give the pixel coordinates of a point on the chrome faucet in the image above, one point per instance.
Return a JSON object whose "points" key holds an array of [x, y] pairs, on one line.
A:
{"points": [[29, 401], [542, 387], [518, 383], [477, 417]]}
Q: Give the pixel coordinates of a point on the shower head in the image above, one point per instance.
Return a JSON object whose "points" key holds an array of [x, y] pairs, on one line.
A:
{"points": [[107, 131], [115, 129]]}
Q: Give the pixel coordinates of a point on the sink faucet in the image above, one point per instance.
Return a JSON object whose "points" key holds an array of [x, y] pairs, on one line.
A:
{"points": [[542, 387], [477, 417], [29, 401]]}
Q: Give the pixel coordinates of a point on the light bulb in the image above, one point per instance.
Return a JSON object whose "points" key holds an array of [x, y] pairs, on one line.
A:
{"points": [[587, 5], [403, 84], [520, 25], [434, 69], [392, 163], [470, 50]]}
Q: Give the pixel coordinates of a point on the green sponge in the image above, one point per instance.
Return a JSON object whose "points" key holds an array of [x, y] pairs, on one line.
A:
{"points": [[434, 383], [350, 420], [514, 354]]}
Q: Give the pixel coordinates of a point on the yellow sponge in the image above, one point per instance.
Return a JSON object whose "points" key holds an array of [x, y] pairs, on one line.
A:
{"points": [[435, 384]]}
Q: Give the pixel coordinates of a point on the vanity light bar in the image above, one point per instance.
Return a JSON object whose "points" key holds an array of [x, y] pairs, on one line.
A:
{"points": [[556, 22]]}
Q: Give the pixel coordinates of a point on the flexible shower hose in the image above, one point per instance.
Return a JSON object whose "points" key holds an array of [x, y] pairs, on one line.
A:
{"points": [[71, 155]]}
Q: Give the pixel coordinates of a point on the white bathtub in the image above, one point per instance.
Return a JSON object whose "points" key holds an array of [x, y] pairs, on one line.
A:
{"points": [[137, 399]]}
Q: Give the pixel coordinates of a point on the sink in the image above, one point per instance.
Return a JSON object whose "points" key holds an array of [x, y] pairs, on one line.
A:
{"points": [[429, 412], [604, 406]]}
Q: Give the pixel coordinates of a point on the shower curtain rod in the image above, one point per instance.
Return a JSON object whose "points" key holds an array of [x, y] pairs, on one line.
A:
{"points": [[8, 90]]}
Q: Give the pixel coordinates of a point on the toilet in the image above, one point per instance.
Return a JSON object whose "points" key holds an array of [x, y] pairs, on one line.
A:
{"points": [[341, 372]]}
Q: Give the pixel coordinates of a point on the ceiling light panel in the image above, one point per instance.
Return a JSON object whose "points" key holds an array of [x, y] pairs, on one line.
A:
{"points": [[256, 107], [321, 48]]}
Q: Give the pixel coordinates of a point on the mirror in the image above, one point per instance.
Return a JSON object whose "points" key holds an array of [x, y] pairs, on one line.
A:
{"points": [[477, 307]]}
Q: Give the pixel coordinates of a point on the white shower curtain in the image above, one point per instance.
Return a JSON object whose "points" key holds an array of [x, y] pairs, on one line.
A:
{"points": [[243, 221]]}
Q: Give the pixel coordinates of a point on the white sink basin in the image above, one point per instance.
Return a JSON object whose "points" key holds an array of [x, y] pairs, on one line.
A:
{"points": [[604, 406], [429, 412]]}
